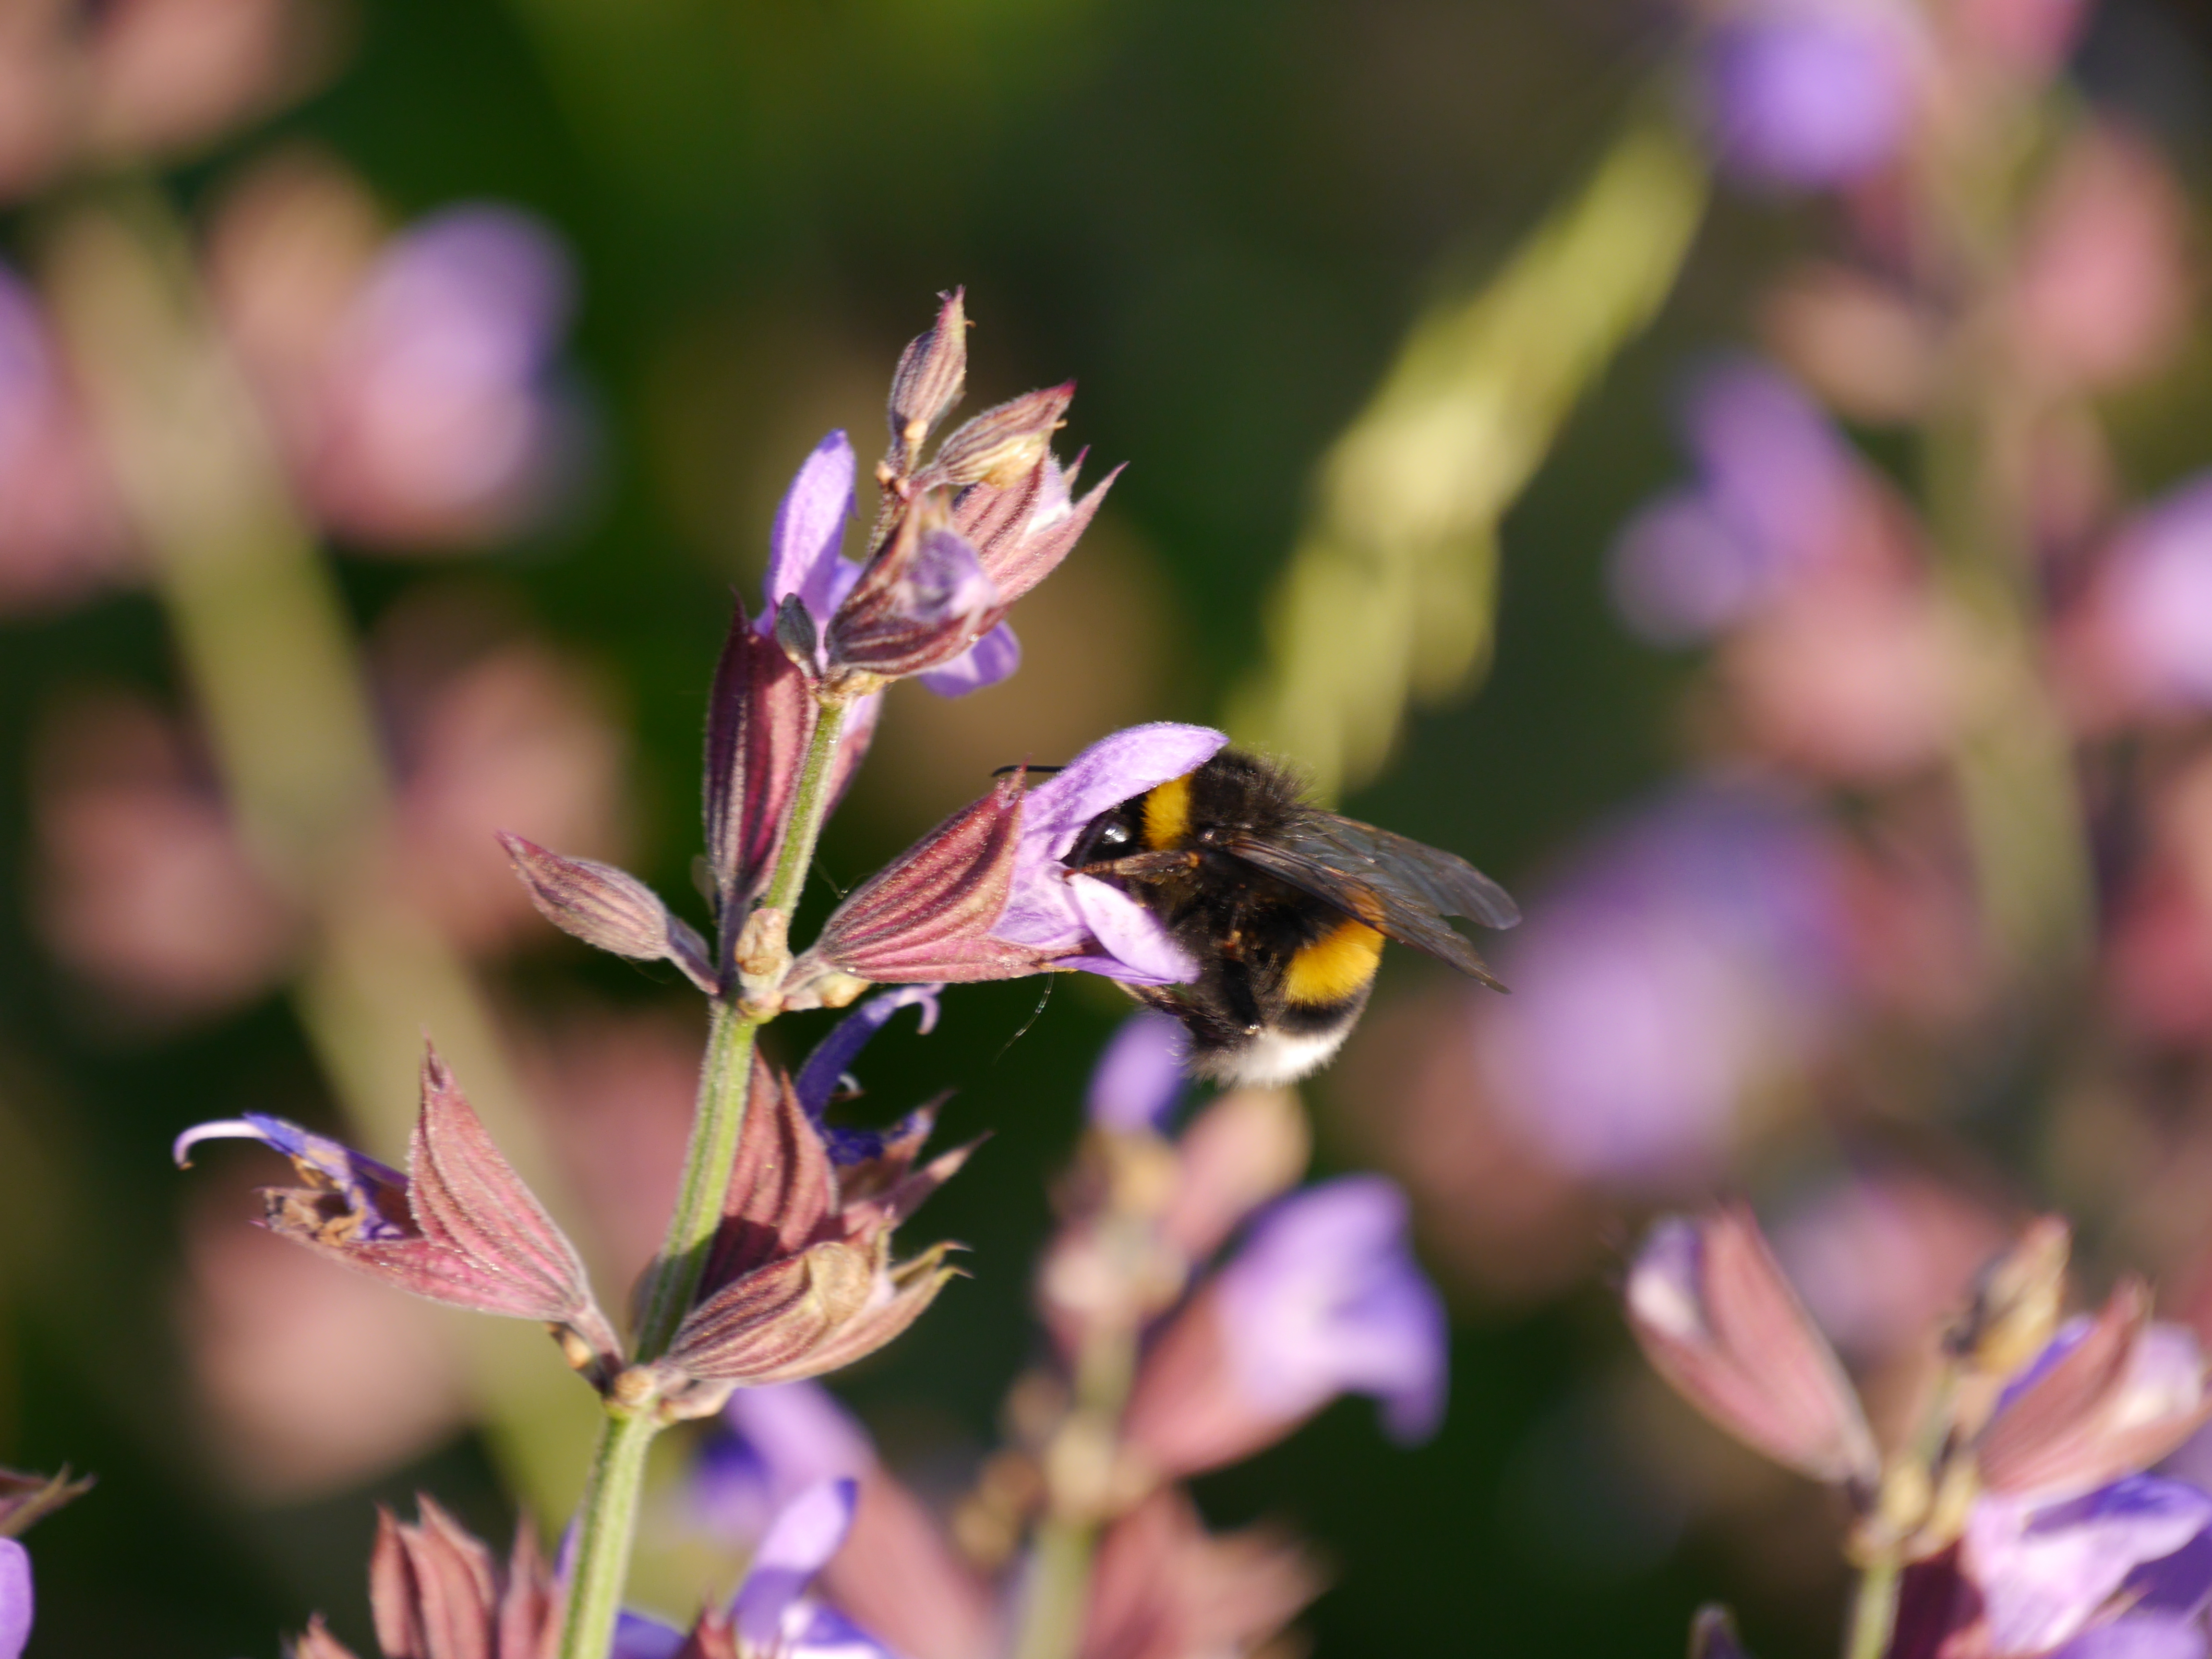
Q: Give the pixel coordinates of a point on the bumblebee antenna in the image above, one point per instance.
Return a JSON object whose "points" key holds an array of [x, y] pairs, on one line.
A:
{"points": [[1024, 766]]}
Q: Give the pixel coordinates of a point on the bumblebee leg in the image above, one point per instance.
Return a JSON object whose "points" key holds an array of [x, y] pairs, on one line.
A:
{"points": [[1140, 865]]}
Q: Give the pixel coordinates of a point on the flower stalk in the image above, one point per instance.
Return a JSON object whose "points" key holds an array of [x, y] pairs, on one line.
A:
{"points": [[606, 1520]]}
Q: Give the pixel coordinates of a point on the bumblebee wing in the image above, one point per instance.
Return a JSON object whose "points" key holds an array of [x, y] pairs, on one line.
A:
{"points": [[1401, 887]]}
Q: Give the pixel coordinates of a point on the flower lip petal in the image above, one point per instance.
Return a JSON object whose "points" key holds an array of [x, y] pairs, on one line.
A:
{"points": [[1136, 946], [1115, 768], [798, 1545]]}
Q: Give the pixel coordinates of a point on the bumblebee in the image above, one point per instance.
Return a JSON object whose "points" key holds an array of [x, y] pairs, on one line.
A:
{"points": [[1284, 906]]}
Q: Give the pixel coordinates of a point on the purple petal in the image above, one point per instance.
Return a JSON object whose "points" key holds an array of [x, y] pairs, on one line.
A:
{"points": [[810, 526], [2044, 1572], [1137, 949], [775, 1442], [813, 1630], [946, 581], [1140, 1076], [1044, 908], [993, 657], [1679, 574], [637, 1637], [1110, 771], [1805, 95], [2139, 1636], [1325, 1298], [366, 1183], [15, 1603], [2157, 583], [798, 1546], [834, 1055]]}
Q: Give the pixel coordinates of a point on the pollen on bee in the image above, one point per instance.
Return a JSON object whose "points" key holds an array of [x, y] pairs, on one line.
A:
{"points": [[1334, 966], [1167, 814]]}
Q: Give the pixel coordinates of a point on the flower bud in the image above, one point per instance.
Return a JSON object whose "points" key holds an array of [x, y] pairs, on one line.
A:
{"points": [[931, 376], [1717, 1319], [610, 908], [1023, 530], [1001, 446], [458, 1227], [759, 718], [923, 600]]}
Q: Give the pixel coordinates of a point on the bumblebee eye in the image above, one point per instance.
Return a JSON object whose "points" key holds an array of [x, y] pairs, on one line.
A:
{"points": [[1114, 834]]}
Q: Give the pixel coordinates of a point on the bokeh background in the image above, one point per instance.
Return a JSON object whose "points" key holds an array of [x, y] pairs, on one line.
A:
{"points": [[1786, 580]]}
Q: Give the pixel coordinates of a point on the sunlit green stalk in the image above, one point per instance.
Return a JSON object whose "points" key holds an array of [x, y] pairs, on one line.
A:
{"points": [[607, 1520], [272, 667], [1058, 1592], [1873, 1610]]}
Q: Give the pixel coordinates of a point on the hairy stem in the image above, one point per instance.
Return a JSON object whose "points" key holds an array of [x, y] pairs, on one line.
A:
{"points": [[607, 1523]]}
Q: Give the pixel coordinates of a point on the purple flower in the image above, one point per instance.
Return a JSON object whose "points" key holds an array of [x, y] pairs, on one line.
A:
{"points": [[1141, 1075], [1079, 920], [460, 1227], [1804, 94], [825, 1069], [771, 1613], [2155, 594], [15, 1601], [445, 421], [1687, 958], [805, 560], [1776, 486], [985, 895], [2046, 1571], [1324, 1297], [770, 1444]]}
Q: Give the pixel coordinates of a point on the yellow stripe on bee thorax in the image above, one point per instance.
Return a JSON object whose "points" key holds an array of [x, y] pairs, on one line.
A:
{"points": [[1167, 814], [1334, 966]]}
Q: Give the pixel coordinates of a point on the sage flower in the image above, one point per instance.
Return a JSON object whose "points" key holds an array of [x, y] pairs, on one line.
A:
{"points": [[458, 1227]]}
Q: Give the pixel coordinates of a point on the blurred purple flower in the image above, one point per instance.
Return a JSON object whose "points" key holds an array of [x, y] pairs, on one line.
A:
{"points": [[61, 528], [1322, 1298], [769, 1445], [2046, 1571], [1140, 1077], [15, 1599], [1805, 94], [1691, 955], [2154, 600], [771, 1613], [1079, 920], [444, 420], [1777, 485]]}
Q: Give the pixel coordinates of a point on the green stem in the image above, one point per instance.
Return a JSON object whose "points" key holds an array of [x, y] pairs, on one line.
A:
{"points": [[1059, 1592], [720, 1120], [606, 1523], [810, 805], [1874, 1609], [607, 1520]]}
